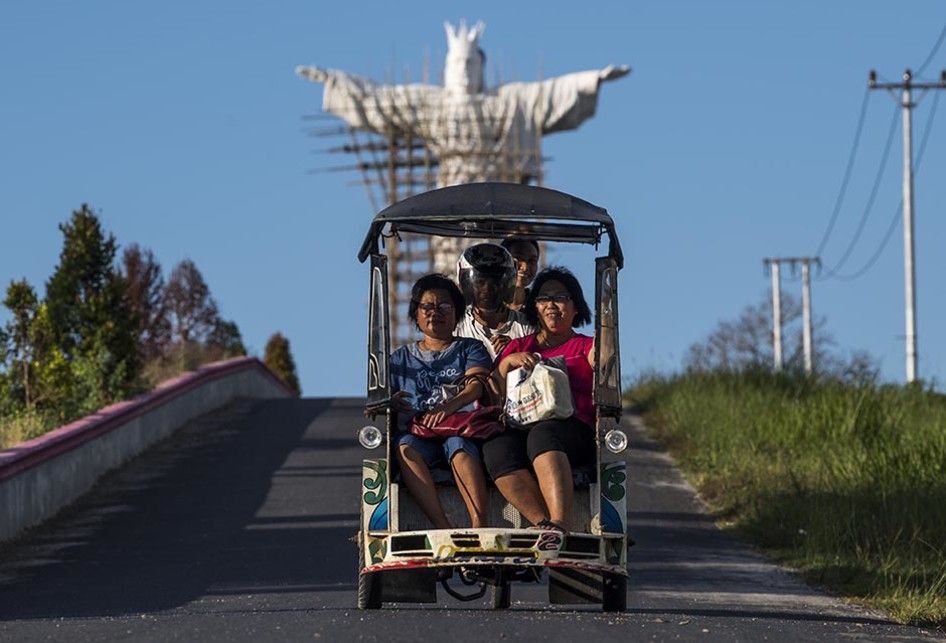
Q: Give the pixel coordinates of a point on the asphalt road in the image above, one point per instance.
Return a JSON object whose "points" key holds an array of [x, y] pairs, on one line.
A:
{"points": [[237, 528]]}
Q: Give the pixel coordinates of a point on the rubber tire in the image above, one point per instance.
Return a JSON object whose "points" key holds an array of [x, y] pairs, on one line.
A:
{"points": [[369, 585], [614, 592], [369, 591], [501, 595]]}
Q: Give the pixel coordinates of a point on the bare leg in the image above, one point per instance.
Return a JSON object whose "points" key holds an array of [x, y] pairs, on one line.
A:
{"points": [[555, 481], [416, 476], [468, 473], [521, 489]]}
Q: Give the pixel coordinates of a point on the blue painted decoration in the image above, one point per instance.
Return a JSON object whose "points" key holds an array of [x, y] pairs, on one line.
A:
{"points": [[610, 520], [379, 517]]}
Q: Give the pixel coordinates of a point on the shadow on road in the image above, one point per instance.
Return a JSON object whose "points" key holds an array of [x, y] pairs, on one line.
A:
{"points": [[209, 511], [237, 529]]}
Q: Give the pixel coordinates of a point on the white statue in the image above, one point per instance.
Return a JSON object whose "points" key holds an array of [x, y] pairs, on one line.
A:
{"points": [[477, 134]]}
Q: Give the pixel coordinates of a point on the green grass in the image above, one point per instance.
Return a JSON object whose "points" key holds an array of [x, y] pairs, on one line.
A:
{"points": [[20, 424], [24, 426], [846, 483]]}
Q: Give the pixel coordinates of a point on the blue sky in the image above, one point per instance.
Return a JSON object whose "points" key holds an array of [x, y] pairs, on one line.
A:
{"points": [[181, 123]]}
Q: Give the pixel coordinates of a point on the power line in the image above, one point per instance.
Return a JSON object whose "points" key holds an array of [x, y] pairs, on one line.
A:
{"points": [[929, 58], [847, 175], [883, 244], [873, 196], [896, 215]]}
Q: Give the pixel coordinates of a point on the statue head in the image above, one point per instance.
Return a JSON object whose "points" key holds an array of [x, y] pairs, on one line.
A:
{"points": [[463, 72]]}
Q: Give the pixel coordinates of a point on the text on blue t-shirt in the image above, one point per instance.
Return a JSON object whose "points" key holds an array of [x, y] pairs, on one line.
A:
{"points": [[423, 373]]}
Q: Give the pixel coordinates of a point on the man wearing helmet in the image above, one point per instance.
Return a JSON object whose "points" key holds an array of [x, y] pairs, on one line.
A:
{"points": [[487, 276]]}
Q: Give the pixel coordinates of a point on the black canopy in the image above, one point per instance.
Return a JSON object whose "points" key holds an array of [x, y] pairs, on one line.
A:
{"points": [[495, 211]]}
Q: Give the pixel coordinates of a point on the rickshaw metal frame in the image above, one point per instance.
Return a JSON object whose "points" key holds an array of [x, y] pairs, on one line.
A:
{"points": [[388, 571]]}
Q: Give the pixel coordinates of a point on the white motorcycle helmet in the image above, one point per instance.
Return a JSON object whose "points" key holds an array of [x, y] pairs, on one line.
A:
{"points": [[486, 261]]}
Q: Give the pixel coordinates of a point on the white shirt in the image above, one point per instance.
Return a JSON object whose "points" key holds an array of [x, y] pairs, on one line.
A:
{"points": [[515, 326]]}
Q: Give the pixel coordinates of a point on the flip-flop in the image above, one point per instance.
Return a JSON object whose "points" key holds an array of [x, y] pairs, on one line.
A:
{"points": [[548, 525]]}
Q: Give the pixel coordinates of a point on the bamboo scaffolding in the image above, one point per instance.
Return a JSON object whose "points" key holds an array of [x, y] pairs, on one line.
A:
{"points": [[397, 163]]}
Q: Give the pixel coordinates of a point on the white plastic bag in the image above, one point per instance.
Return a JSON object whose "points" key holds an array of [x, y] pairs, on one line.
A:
{"points": [[540, 394]]}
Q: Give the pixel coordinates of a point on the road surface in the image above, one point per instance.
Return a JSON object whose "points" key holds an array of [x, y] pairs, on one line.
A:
{"points": [[237, 528]]}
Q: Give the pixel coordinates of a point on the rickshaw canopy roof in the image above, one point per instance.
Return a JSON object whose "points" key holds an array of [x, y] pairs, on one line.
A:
{"points": [[496, 211]]}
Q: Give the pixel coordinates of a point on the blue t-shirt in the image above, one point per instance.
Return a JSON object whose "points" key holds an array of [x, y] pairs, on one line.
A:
{"points": [[422, 373]]}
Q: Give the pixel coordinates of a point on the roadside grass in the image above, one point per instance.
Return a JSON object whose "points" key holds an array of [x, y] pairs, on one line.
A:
{"points": [[24, 426], [21, 424], [846, 483]]}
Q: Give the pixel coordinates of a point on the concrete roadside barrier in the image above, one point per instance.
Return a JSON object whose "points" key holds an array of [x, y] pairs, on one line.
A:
{"points": [[41, 476]]}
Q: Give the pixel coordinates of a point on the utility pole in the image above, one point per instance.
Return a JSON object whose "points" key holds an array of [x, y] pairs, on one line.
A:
{"points": [[773, 264], [909, 266], [806, 308]]}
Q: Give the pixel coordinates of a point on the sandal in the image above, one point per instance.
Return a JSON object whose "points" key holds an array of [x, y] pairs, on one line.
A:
{"points": [[547, 525]]}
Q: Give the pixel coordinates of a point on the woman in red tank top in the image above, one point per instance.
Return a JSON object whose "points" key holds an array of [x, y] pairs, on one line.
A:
{"points": [[550, 448]]}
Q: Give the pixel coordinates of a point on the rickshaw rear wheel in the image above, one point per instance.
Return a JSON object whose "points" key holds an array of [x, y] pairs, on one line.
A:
{"points": [[369, 585], [614, 592], [501, 595]]}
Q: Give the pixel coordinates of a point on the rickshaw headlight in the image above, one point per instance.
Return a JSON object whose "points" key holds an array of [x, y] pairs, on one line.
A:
{"points": [[370, 437], [615, 440]]}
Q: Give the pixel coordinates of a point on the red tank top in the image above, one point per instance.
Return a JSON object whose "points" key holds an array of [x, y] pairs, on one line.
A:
{"points": [[580, 373]]}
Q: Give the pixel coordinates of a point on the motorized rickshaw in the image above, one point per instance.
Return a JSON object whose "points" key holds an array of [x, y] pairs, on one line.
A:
{"points": [[401, 559]]}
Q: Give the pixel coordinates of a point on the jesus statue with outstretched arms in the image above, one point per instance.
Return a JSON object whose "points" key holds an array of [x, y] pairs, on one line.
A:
{"points": [[470, 129]]}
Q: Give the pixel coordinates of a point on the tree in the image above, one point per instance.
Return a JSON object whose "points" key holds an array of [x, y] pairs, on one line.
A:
{"points": [[192, 310], [278, 357], [19, 348], [89, 318], [146, 300], [747, 341], [5, 348], [83, 274], [56, 382], [225, 340]]}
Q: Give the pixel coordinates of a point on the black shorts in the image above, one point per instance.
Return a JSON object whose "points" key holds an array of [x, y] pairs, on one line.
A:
{"points": [[514, 449]]}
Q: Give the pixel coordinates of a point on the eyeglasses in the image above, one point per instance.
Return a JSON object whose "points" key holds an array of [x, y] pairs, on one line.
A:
{"points": [[545, 300], [443, 307]]}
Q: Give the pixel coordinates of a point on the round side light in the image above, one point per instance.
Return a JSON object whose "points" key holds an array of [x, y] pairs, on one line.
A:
{"points": [[370, 437], [615, 440]]}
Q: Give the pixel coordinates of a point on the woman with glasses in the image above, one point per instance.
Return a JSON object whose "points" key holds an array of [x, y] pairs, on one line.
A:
{"points": [[419, 371], [533, 468]]}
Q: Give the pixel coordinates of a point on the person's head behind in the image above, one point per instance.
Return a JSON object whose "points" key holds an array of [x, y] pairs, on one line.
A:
{"points": [[525, 255], [486, 275], [436, 304], [556, 301]]}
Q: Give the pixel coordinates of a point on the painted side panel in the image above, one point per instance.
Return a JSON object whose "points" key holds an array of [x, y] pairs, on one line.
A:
{"points": [[613, 487], [375, 515]]}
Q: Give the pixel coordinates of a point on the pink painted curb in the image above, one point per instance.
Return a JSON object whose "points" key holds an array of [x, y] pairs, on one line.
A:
{"points": [[66, 438]]}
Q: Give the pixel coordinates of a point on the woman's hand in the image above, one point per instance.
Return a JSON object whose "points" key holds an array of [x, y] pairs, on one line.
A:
{"points": [[401, 402], [434, 416], [518, 360], [471, 392]]}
